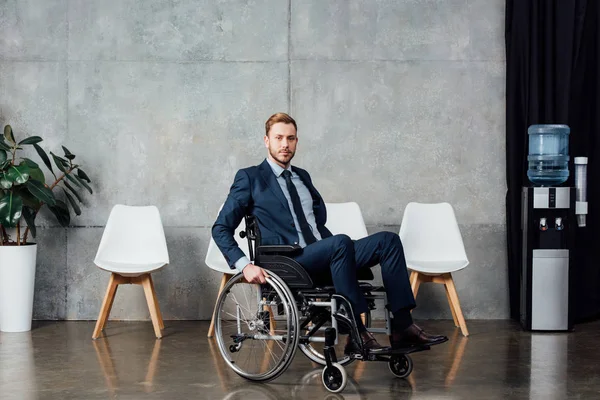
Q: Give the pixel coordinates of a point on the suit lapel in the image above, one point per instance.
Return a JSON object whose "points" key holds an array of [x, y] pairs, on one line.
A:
{"points": [[271, 181]]}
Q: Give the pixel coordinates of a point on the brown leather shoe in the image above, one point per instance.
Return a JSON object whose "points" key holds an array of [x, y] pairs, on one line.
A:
{"points": [[414, 336], [369, 343]]}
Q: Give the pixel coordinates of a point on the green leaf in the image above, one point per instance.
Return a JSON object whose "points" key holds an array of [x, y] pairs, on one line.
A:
{"points": [[18, 174], [84, 184], [3, 145], [29, 216], [75, 181], [58, 162], [3, 157], [29, 200], [73, 203], [29, 163], [61, 212], [72, 189], [68, 154], [31, 140], [64, 160], [11, 207], [5, 183], [83, 175], [43, 156], [8, 134], [34, 170], [41, 192], [37, 174]]}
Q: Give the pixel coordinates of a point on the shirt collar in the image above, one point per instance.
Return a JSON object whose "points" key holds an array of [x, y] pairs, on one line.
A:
{"points": [[277, 169]]}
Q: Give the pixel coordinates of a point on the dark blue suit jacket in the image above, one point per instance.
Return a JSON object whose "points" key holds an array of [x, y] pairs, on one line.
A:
{"points": [[255, 191]]}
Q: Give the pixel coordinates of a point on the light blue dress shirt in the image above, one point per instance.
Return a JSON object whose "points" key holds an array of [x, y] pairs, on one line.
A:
{"points": [[307, 207]]}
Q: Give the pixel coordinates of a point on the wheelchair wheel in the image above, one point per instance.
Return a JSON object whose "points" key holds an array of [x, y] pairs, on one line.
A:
{"points": [[334, 378], [257, 327], [314, 350], [401, 366]]}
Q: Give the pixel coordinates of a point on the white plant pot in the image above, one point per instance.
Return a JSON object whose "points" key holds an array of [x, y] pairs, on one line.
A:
{"points": [[17, 281]]}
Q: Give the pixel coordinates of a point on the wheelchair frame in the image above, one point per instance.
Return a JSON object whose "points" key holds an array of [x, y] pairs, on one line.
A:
{"points": [[293, 294]]}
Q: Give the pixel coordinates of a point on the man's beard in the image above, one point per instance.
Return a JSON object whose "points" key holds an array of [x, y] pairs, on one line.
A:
{"points": [[279, 158]]}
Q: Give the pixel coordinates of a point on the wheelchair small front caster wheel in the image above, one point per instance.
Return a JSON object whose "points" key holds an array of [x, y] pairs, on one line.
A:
{"points": [[401, 366], [334, 378]]}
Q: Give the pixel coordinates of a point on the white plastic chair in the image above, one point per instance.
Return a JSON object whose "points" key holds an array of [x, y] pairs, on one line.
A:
{"points": [[215, 260], [133, 246], [346, 218], [434, 249]]}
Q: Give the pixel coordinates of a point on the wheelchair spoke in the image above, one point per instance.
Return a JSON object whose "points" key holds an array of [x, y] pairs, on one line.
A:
{"points": [[242, 307], [245, 296], [258, 335]]}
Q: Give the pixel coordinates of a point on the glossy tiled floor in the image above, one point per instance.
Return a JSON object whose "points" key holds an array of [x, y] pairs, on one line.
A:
{"points": [[58, 360]]}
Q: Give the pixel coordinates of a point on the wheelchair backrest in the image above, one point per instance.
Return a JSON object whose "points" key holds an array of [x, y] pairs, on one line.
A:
{"points": [[270, 259]]}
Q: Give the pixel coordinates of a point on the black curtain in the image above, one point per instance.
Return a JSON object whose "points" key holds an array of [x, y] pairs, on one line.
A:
{"points": [[552, 69]]}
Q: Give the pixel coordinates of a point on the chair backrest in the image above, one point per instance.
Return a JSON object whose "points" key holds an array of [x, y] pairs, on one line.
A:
{"points": [[133, 235], [214, 258], [429, 232], [346, 218]]}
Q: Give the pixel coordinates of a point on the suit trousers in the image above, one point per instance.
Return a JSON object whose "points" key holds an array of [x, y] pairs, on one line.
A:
{"points": [[343, 257]]}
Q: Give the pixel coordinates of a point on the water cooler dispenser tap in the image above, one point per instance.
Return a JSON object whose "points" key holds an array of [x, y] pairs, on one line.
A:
{"points": [[543, 224], [558, 224]]}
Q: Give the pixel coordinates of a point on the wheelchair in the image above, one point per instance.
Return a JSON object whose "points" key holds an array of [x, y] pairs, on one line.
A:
{"points": [[259, 327]]}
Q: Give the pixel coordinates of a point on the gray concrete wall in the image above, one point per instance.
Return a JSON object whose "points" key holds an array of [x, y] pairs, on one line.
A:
{"points": [[162, 101]]}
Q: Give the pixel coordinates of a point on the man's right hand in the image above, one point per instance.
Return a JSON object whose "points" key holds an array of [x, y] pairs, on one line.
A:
{"points": [[254, 274]]}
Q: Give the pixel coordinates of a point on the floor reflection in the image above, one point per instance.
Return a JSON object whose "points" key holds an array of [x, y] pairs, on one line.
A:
{"points": [[17, 367], [309, 385], [549, 361], [107, 361], [499, 360], [457, 344]]}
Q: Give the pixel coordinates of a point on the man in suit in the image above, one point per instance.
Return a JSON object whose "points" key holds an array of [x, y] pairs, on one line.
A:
{"points": [[290, 210]]}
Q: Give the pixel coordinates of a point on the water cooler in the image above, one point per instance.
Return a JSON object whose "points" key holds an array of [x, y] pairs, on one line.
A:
{"points": [[550, 216]]}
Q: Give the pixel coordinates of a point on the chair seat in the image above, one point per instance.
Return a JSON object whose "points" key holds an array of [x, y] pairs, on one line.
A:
{"points": [[436, 267], [129, 269]]}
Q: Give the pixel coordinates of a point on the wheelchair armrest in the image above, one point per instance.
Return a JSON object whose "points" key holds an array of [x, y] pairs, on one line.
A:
{"points": [[279, 249]]}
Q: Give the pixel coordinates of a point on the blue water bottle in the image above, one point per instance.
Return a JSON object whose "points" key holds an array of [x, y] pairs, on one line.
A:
{"points": [[548, 154]]}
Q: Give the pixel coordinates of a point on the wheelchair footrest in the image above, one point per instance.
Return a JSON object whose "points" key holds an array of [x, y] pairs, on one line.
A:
{"points": [[364, 287]]}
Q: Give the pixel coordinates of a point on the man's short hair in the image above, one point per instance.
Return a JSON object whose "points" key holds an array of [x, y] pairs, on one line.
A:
{"points": [[276, 118]]}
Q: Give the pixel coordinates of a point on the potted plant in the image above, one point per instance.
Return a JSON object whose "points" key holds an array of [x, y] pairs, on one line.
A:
{"points": [[23, 193]]}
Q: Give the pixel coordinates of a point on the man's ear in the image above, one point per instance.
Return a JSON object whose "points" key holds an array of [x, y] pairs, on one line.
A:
{"points": [[266, 140]]}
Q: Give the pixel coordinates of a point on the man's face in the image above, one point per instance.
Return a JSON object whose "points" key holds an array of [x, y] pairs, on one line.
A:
{"points": [[281, 142]]}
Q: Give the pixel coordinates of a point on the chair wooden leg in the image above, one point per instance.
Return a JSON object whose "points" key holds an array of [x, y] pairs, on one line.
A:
{"points": [[106, 305], [415, 282], [455, 303], [272, 323], [160, 318], [224, 279], [152, 305], [451, 305]]}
